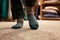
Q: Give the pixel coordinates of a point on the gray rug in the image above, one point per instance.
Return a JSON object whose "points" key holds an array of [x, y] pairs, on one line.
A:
{"points": [[26, 34]]}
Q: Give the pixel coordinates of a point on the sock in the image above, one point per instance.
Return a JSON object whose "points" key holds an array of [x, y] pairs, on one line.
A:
{"points": [[32, 21], [18, 25]]}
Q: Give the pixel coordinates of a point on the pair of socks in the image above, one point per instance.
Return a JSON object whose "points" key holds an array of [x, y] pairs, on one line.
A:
{"points": [[32, 22]]}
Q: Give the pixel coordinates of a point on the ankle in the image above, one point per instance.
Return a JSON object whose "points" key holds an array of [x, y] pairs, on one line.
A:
{"points": [[29, 10], [20, 20]]}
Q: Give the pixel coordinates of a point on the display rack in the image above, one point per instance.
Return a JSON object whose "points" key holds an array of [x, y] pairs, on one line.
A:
{"points": [[47, 4]]}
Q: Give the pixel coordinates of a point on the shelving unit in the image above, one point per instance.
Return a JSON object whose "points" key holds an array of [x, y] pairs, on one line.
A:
{"points": [[47, 4]]}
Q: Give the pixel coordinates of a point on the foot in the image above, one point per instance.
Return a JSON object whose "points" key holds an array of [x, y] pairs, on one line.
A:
{"points": [[32, 22], [17, 26]]}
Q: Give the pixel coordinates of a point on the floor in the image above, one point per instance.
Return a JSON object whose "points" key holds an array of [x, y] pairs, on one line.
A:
{"points": [[48, 30]]}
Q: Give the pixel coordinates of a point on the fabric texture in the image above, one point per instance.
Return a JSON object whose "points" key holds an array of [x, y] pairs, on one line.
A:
{"points": [[51, 15], [3, 9], [29, 3], [17, 7]]}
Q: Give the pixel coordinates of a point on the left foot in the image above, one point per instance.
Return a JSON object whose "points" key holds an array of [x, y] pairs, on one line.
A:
{"points": [[32, 22], [19, 24]]}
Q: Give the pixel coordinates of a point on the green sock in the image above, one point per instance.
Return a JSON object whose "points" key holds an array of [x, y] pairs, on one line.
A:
{"points": [[32, 21], [18, 25]]}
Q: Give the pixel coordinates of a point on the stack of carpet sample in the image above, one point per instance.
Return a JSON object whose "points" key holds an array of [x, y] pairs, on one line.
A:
{"points": [[48, 1], [50, 12]]}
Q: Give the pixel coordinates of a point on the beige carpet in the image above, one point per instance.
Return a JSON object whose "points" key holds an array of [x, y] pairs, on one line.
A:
{"points": [[48, 30]]}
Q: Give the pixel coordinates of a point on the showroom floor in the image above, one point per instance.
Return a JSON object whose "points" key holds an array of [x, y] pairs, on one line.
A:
{"points": [[48, 30]]}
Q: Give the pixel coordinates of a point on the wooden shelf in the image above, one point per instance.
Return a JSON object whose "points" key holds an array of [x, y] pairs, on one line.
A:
{"points": [[52, 3], [52, 18], [48, 4]]}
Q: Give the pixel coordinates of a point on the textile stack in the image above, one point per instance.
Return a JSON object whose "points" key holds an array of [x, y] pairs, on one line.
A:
{"points": [[51, 11], [51, 1]]}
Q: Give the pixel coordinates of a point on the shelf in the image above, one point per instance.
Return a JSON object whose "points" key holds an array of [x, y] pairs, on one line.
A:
{"points": [[58, 3], [52, 18], [45, 3]]}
